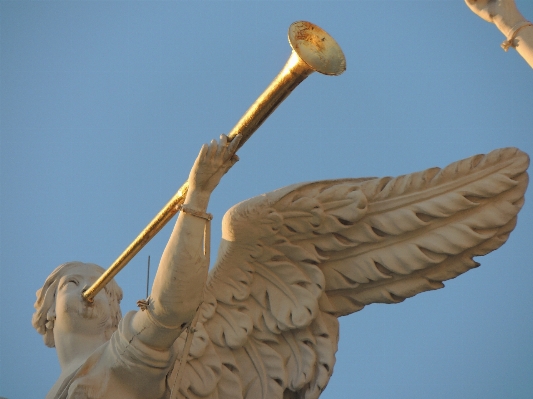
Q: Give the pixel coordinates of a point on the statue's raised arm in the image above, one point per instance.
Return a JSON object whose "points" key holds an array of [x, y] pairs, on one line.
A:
{"points": [[179, 282], [508, 19]]}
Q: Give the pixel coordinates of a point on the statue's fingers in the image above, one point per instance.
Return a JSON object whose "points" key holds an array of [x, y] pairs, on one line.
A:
{"points": [[231, 161], [223, 140], [222, 146], [213, 147], [233, 145], [203, 151]]}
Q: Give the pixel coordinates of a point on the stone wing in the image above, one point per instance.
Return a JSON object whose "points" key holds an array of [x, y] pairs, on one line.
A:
{"points": [[292, 261]]}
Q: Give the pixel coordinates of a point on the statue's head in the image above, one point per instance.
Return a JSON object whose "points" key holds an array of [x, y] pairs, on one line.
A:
{"points": [[60, 301]]}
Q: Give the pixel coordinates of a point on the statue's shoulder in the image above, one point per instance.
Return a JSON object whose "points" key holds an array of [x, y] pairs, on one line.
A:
{"points": [[116, 366]]}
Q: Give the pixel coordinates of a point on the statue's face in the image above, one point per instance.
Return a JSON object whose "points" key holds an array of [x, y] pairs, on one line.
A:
{"points": [[73, 313]]}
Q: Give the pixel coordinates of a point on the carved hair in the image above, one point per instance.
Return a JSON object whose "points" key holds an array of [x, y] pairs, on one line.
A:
{"points": [[44, 316]]}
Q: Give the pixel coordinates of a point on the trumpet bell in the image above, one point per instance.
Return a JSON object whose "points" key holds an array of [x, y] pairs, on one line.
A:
{"points": [[316, 48]]}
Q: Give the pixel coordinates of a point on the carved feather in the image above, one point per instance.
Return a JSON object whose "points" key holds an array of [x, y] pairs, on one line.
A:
{"points": [[427, 228], [294, 260]]}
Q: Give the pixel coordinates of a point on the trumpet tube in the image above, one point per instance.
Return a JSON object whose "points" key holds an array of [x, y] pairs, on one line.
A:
{"points": [[313, 51]]}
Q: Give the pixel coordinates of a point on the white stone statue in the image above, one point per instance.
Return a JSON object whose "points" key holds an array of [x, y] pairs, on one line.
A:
{"points": [[290, 263], [505, 15]]}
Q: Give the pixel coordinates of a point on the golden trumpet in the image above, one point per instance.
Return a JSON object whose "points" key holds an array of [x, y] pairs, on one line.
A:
{"points": [[313, 50]]}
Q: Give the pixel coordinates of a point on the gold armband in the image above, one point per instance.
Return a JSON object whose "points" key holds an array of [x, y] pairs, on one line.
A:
{"points": [[512, 34], [198, 214]]}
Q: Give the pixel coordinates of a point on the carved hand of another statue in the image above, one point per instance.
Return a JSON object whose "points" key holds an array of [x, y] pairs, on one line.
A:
{"points": [[495, 10], [213, 161]]}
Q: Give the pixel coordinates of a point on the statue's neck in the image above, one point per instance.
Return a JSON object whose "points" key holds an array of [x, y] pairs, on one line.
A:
{"points": [[73, 349]]}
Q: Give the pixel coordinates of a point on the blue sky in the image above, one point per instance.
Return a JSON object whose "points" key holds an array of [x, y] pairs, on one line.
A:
{"points": [[104, 106]]}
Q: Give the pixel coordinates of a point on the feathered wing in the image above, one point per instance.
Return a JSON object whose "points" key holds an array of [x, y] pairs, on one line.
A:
{"points": [[294, 260]]}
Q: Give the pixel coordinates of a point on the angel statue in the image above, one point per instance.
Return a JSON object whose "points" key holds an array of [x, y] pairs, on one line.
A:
{"points": [[264, 322]]}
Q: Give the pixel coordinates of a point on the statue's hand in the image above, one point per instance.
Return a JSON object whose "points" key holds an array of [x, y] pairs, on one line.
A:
{"points": [[212, 163], [490, 10]]}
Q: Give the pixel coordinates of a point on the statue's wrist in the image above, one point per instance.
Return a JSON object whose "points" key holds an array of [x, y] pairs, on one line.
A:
{"points": [[507, 20], [198, 199]]}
